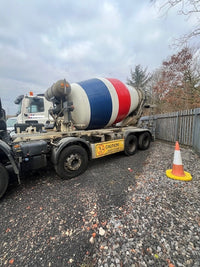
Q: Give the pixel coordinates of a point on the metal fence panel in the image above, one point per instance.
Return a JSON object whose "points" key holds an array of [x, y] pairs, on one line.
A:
{"points": [[182, 126], [196, 131]]}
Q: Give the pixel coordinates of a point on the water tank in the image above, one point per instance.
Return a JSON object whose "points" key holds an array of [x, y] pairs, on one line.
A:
{"points": [[102, 102]]}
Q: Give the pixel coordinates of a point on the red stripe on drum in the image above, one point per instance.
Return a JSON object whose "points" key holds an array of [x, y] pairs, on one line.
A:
{"points": [[124, 99]]}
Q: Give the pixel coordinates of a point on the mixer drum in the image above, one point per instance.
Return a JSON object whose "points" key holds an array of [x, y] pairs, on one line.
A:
{"points": [[100, 102]]}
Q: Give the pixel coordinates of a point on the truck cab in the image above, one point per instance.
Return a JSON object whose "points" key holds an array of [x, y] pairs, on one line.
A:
{"points": [[33, 109]]}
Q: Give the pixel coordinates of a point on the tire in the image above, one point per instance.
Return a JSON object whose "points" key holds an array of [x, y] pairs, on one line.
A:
{"points": [[144, 141], [4, 178], [72, 161], [131, 144]]}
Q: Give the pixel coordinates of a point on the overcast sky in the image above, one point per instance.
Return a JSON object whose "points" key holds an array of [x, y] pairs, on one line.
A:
{"points": [[42, 41]]}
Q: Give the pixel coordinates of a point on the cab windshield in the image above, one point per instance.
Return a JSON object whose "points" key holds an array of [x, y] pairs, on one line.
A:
{"points": [[36, 104]]}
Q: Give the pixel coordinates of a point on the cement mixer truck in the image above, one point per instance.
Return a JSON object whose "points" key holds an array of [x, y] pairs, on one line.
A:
{"points": [[92, 119]]}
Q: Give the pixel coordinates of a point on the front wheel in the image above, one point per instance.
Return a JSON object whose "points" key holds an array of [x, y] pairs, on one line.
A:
{"points": [[144, 141], [4, 178], [72, 162], [131, 144]]}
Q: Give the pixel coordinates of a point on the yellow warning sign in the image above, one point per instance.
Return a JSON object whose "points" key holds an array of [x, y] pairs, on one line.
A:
{"points": [[109, 147]]}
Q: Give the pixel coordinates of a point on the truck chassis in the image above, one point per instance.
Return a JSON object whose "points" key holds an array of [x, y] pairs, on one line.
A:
{"points": [[69, 151]]}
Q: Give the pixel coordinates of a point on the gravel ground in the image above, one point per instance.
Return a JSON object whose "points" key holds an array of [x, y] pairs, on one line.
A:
{"points": [[123, 211]]}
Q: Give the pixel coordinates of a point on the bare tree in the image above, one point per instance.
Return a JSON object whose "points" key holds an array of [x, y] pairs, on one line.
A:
{"points": [[176, 85], [188, 8]]}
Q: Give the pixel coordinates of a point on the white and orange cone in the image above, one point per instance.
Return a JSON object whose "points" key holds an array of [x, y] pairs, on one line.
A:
{"points": [[177, 172]]}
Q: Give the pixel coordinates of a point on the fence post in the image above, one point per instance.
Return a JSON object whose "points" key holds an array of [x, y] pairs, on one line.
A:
{"points": [[154, 126], [196, 131], [193, 127], [177, 126]]}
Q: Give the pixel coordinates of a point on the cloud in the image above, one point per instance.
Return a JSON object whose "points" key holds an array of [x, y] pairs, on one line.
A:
{"points": [[43, 41]]}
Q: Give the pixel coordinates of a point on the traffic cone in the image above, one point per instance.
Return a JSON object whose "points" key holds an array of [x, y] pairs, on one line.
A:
{"points": [[177, 172]]}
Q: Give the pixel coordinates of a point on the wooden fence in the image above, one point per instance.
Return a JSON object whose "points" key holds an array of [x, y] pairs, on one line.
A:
{"points": [[182, 126]]}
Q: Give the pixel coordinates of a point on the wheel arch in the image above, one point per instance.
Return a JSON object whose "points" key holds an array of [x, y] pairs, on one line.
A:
{"points": [[6, 156], [66, 142]]}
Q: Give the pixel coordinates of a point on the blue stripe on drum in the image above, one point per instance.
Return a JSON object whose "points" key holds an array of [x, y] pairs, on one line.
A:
{"points": [[115, 100], [100, 102]]}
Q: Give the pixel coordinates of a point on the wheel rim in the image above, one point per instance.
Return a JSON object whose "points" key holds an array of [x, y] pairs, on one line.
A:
{"points": [[73, 162]]}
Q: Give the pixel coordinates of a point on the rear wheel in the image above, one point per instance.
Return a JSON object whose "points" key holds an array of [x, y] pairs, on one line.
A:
{"points": [[131, 144], [4, 178], [72, 162], [144, 141]]}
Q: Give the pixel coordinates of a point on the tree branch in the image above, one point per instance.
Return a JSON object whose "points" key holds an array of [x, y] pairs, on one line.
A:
{"points": [[186, 8]]}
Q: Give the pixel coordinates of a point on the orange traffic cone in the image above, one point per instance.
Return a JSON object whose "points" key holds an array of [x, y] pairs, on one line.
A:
{"points": [[177, 172]]}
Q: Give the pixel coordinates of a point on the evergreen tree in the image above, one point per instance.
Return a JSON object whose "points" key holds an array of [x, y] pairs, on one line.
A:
{"points": [[139, 78]]}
